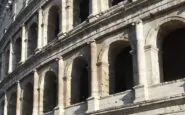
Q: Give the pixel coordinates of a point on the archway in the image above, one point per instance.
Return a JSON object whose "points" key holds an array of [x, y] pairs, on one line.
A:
{"points": [[120, 67], [53, 23], [32, 39], [81, 11], [17, 51], [50, 91], [7, 57], [2, 108], [172, 52], [27, 106], [12, 104], [80, 81]]}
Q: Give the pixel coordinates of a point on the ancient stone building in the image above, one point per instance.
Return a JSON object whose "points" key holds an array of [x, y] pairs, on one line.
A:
{"points": [[93, 57]]}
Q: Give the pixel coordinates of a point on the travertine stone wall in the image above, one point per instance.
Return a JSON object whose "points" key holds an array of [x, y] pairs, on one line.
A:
{"points": [[139, 24]]}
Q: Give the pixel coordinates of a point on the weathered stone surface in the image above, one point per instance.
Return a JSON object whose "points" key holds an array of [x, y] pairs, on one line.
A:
{"points": [[111, 62]]}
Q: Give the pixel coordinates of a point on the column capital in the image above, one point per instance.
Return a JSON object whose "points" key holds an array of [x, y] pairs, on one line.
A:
{"points": [[91, 41], [35, 70], [138, 21], [58, 58]]}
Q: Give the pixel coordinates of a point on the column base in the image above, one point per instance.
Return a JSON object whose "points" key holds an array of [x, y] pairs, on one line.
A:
{"points": [[92, 104], [139, 93], [60, 110]]}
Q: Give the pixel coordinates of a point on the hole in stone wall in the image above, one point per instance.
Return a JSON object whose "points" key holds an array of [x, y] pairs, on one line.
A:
{"points": [[12, 104], [53, 23], [115, 2], [27, 99], [7, 56], [174, 55], [2, 108], [120, 68], [17, 51], [32, 39], [80, 82], [81, 11], [50, 91]]}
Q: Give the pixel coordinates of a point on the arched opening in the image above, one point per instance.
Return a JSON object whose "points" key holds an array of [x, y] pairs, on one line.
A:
{"points": [[12, 104], [50, 91], [27, 105], [32, 39], [81, 11], [115, 2], [7, 57], [120, 67], [173, 55], [53, 23], [2, 108], [17, 51], [80, 81]]}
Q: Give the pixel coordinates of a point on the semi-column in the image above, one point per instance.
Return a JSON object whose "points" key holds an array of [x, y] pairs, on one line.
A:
{"points": [[40, 23], [93, 101], [5, 104], [35, 93], [2, 66], [140, 52], [141, 56], [98, 6], [24, 46], [41, 96], [67, 15], [19, 99], [10, 69], [61, 93]]}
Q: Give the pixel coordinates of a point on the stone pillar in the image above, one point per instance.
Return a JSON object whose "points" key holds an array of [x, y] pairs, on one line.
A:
{"points": [[153, 65], [98, 6], [141, 60], [1, 69], [3, 65], [41, 95], [61, 93], [10, 69], [67, 15], [93, 101], [64, 16], [45, 29], [40, 22], [5, 105], [24, 45], [19, 99], [140, 52], [36, 94]]}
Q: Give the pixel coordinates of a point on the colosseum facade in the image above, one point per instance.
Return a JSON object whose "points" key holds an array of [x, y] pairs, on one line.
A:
{"points": [[92, 57]]}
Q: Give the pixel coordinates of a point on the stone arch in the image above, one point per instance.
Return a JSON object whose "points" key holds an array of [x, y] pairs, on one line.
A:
{"points": [[154, 47], [32, 39], [12, 104], [106, 66], [50, 97], [27, 104], [80, 80], [53, 23], [151, 36]]}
